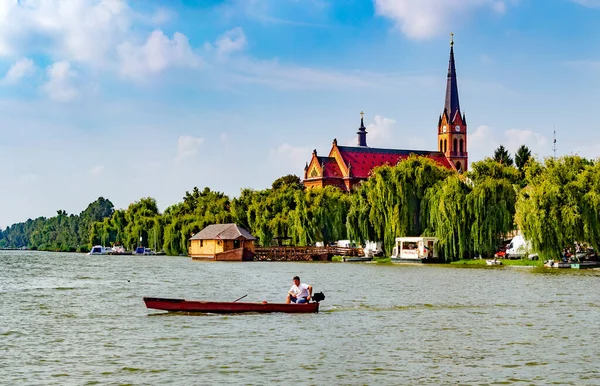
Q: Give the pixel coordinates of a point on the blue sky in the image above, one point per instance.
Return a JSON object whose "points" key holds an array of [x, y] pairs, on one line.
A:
{"points": [[134, 98]]}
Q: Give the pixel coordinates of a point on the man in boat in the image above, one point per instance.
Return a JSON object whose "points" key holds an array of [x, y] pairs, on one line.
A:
{"points": [[299, 293]]}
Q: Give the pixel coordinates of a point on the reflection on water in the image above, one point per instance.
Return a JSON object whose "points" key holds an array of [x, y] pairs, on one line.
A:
{"points": [[77, 319]]}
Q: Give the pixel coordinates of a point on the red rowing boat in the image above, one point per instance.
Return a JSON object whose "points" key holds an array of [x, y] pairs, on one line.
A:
{"points": [[182, 305]]}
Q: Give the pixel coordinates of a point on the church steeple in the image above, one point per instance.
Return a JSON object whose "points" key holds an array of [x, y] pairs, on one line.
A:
{"points": [[452, 124], [452, 105], [362, 132]]}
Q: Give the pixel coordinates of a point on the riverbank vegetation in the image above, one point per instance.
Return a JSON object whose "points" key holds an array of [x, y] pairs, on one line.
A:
{"points": [[555, 202]]}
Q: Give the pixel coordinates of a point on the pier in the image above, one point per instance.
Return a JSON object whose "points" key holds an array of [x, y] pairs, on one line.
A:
{"points": [[303, 253]]}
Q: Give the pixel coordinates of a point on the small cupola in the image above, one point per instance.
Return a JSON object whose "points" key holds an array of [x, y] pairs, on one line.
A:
{"points": [[362, 131]]}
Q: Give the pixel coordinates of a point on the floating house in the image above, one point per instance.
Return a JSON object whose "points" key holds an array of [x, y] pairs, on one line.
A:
{"points": [[222, 242]]}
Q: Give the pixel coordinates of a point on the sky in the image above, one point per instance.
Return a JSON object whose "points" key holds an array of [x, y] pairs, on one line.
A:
{"points": [[125, 99]]}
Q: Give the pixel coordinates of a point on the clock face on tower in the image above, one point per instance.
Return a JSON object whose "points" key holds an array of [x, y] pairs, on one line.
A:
{"points": [[444, 129], [457, 128]]}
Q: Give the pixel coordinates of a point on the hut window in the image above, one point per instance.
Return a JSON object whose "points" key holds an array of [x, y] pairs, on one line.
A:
{"points": [[219, 242], [201, 242], [236, 244]]}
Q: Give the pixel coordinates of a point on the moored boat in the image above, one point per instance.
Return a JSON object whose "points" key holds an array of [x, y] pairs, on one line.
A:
{"points": [[415, 250], [182, 305], [100, 250]]}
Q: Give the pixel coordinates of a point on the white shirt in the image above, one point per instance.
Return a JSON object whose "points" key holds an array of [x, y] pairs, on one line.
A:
{"points": [[300, 291]]}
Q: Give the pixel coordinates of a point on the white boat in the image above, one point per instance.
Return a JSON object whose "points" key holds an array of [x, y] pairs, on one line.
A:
{"points": [[144, 251], [557, 264], [100, 250], [415, 250]]}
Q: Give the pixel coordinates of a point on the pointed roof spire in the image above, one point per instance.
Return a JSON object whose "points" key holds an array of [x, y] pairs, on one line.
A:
{"points": [[362, 131], [452, 105]]}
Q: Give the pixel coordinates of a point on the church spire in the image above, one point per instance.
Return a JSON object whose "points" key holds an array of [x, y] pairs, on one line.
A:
{"points": [[452, 105], [362, 132]]}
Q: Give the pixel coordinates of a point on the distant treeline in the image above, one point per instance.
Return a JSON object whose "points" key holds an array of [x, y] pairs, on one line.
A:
{"points": [[555, 202]]}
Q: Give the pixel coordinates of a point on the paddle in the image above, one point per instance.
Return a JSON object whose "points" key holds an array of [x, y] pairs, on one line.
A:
{"points": [[239, 298]]}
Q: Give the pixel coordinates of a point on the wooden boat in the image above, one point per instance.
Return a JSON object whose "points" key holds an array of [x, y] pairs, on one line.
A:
{"points": [[356, 259], [182, 305]]}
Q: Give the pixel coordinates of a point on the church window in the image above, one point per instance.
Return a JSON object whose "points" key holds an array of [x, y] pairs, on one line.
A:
{"points": [[461, 145], [314, 173], [454, 146], [441, 144], [445, 145]]}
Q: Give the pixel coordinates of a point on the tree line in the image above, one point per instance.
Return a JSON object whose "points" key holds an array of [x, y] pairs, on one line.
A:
{"points": [[554, 202]]}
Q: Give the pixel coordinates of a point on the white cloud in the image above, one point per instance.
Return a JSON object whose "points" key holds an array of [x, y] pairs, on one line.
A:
{"points": [[380, 131], [22, 68], [59, 86], [94, 33], [427, 18], [96, 170], [286, 158], [187, 146], [74, 30], [282, 76], [156, 54], [231, 41], [484, 140], [588, 3]]}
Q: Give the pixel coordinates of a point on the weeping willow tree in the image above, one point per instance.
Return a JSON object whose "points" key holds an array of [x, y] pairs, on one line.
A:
{"points": [[551, 210], [491, 204], [358, 226], [269, 212], [446, 216], [590, 205], [320, 215], [197, 210], [394, 197]]}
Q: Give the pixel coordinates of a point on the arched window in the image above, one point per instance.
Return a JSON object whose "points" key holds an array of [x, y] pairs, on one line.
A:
{"points": [[445, 145], [461, 145], [441, 144], [458, 166], [455, 145]]}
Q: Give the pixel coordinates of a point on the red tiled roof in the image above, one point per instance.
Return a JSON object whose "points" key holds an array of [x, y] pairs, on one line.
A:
{"points": [[331, 168], [363, 159]]}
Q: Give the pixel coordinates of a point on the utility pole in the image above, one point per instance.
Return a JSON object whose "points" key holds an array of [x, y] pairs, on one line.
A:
{"points": [[554, 143]]}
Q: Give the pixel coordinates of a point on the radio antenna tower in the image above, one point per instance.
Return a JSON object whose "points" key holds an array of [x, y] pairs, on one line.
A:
{"points": [[554, 143]]}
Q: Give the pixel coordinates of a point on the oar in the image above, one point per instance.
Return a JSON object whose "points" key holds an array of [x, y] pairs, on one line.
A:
{"points": [[239, 298]]}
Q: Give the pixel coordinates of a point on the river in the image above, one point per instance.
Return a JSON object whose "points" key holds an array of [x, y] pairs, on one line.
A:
{"points": [[72, 319]]}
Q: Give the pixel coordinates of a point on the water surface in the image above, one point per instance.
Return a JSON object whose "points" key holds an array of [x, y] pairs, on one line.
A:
{"points": [[77, 319]]}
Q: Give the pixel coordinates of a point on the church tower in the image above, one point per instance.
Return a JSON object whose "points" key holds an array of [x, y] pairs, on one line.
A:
{"points": [[452, 126]]}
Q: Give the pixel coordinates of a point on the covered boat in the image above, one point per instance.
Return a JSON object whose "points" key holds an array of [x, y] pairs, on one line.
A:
{"points": [[182, 305]]}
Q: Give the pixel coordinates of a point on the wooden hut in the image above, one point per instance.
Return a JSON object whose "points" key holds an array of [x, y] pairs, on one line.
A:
{"points": [[222, 242]]}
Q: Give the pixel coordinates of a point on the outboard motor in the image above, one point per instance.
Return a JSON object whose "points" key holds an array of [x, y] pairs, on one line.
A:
{"points": [[317, 297]]}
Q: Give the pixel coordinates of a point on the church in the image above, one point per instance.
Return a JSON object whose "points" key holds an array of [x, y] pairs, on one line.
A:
{"points": [[346, 166]]}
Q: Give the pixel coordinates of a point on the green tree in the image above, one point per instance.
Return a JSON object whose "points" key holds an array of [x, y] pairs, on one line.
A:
{"points": [[291, 180], [558, 205], [502, 156], [522, 155], [447, 217]]}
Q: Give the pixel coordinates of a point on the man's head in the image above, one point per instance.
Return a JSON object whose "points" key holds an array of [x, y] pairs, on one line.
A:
{"points": [[296, 280]]}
